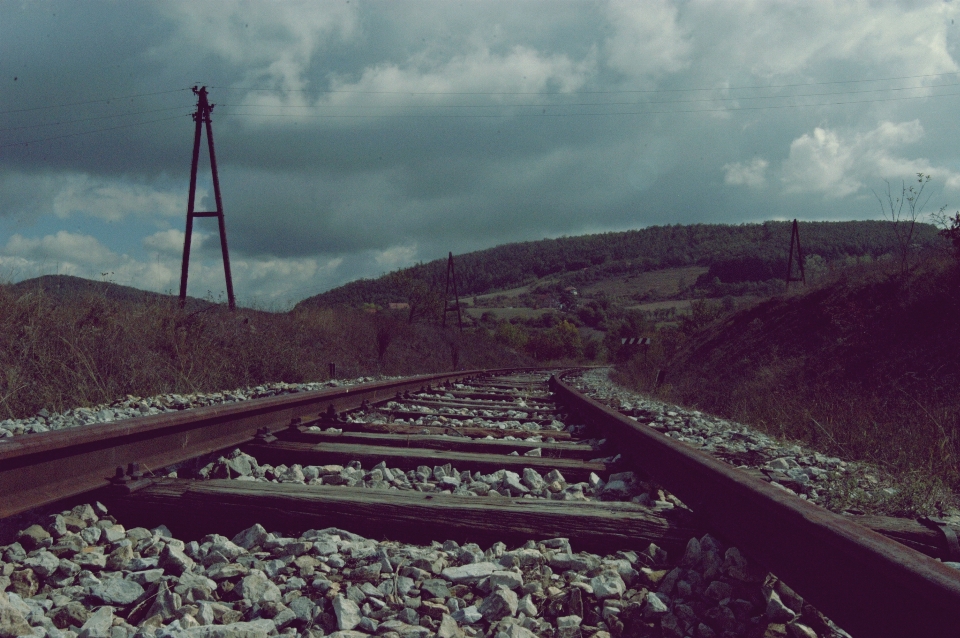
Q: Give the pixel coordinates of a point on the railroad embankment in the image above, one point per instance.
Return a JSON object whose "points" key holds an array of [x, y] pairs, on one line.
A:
{"points": [[864, 366], [61, 352]]}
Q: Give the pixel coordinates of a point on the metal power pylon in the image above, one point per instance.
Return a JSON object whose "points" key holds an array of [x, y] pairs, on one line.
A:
{"points": [[201, 117], [795, 240], [451, 281]]}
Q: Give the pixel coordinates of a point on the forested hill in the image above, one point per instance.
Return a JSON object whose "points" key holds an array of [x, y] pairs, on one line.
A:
{"points": [[593, 257]]}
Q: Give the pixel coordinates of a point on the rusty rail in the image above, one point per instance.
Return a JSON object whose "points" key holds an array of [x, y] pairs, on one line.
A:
{"points": [[38, 469], [870, 585], [866, 583]]}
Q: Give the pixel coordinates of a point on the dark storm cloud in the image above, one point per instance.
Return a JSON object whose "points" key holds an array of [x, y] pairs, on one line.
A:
{"points": [[610, 116]]}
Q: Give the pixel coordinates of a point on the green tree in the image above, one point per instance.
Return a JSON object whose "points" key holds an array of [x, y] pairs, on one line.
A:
{"points": [[561, 341], [511, 335]]}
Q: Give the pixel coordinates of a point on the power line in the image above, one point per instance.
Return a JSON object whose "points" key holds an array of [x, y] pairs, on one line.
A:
{"points": [[544, 114], [104, 100], [112, 128], [721, 88], [554, 104], [89, 119]]}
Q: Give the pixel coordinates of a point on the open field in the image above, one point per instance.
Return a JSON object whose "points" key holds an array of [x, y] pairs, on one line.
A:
{"points": [[509, 313], [651, 284]]}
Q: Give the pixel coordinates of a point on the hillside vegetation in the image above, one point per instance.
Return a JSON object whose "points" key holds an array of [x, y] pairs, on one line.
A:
{"points": [[865, 365], [65, 346], [580, 261]]}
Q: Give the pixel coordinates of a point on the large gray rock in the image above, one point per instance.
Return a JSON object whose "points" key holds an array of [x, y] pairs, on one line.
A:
{"points": [[227, 548], [241, 464], [569, 627], [507, 579], [692, 555], [304, 608], [260, 628], [448, 628], [119, 558], [653, 606], [165, 603], [198, 586], [43, 564], [467, 615], [98, 625], [256, 587], [511, 481], [607, 584], [32, 537], [347, 612], [576, 562], [468, 574], [500, 604], [117, 591], [533, 480], [516, 631], [174, 561], [436, 588], [12, 621], [251, 537], [776, 611]]}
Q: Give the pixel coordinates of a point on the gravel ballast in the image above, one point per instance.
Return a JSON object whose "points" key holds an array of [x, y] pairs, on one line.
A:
{"points": [[83, 575]]}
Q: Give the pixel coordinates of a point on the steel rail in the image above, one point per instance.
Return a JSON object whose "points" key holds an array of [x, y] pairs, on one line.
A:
{"points": [[38, 469], [866, 583]]}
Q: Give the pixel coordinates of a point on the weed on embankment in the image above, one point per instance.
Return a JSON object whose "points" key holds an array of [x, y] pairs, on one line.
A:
{"points": [[89, 349], [865, 365]]}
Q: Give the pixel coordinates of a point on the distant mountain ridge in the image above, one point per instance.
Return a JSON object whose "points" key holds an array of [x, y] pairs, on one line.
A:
{"points": [[68, 287], [581, 260]]}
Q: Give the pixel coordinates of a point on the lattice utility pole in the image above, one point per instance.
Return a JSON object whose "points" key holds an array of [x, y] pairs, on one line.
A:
{"points": [[451, 279], [795, 240], [201, 117]]}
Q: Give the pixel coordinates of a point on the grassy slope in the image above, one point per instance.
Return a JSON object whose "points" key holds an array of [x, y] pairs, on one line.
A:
{"points": [[60, 352], [866, 366], [587, 259]]}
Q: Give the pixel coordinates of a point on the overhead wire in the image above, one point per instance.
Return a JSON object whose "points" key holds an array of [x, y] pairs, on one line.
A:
{"points": [[101, 130], [582, 114], [543, 113], [90, 119], [102, 100], [714, 88], [553, 104]]}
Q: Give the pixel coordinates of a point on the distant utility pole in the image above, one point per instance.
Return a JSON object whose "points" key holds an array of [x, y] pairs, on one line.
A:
{"points": [[202, 116], [451, 279], [795, 240]]}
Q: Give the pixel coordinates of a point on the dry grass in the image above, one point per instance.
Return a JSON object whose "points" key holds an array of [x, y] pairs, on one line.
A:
{"points": [[90, 349], [865, 366]]}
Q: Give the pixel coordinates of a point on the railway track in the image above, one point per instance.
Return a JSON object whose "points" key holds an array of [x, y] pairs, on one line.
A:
{"points": [[479, 503]]}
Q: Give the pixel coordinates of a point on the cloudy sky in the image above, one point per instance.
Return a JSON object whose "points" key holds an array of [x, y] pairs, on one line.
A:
{"points": [[356, 137]]}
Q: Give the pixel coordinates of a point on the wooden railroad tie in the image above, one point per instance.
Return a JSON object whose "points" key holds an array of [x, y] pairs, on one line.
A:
{"points": [[451, 443], [467, 431], [192, 509], [462, 417]]}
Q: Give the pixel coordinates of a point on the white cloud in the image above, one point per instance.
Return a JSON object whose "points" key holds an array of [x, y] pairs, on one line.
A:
{"points": [[114, 199], [423, 80], [64, 246], [274, 41], [751, 174], [841, 163], [170, 241], [396, 257], [799, 39], [648, 39]]}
